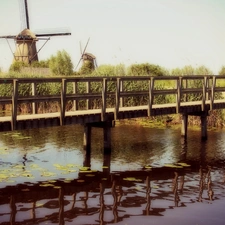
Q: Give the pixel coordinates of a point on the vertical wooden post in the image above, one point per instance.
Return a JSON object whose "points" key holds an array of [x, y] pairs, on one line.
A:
{"points": [[178, 84], [63, 102], [204, 127], [204, 91], [87, 158], [107, 138], [104, 97], [88, 91], [151, 96], [118, 83], [34, 92], [61, 206], [184, 125], [148, 197], [13, 209], [207, 88], [186, 87], [87, 138], [121, 90], [75, 105], [14, 104], [106, 161], [212, 93]]}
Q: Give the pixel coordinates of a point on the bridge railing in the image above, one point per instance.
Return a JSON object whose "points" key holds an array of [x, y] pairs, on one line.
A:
{"points": [[205, 87]]}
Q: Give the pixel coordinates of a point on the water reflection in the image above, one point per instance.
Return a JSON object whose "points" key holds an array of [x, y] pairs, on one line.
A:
{"points": [[105, 197], [101, 192]]}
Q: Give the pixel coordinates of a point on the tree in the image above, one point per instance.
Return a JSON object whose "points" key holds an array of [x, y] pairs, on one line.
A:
{"points": [[86, 68], [109, 70], [222, 71], [188, 70], [61, 64], [176, 72], [145, 69], [202, 70], [40, 64], [16, 66]]}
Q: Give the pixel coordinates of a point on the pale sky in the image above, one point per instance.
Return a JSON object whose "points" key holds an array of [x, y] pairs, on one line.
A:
{"points": [[170, 33]]}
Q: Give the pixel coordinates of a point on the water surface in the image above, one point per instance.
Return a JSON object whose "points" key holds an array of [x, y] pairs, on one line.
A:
{"points": [[152, 176]]}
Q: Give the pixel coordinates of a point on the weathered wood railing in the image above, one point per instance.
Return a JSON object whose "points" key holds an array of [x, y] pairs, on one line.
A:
{"points": [[177, 86]]}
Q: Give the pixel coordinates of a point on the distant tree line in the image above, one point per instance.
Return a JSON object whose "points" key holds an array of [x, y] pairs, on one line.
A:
{"points": [[61, 65]]}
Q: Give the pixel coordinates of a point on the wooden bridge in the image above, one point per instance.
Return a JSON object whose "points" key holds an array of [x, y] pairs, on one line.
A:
{"points": [[99, 101]]}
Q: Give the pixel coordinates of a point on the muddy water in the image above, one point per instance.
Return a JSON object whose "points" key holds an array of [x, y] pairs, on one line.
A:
{"points": [[152, 176]]}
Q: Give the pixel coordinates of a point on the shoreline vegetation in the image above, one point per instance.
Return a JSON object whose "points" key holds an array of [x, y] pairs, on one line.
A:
{"points": [[58, 66]]}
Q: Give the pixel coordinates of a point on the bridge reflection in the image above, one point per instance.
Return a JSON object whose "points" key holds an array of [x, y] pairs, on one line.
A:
{"points": [[102, 197]]}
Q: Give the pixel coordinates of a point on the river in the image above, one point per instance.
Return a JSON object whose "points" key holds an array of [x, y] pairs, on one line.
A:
{"points": [[152, 176]]}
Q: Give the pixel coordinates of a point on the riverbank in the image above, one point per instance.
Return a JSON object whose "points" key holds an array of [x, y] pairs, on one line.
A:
{"points": [[216, 119]]}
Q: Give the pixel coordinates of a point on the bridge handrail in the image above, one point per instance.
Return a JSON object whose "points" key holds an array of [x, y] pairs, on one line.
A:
{"points": [[208, 87]]}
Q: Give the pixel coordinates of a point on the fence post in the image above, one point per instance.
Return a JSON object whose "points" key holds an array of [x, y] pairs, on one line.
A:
{"points": [[34, 92], [14, 104], [118, 85], [151, 96], [212, 92], [204, 89], [63, 102], [121, 90], [179, 84], [88, 91], [104, 97], [75, 105]]}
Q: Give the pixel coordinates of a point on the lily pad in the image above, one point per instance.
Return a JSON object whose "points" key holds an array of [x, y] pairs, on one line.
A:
{"points": [[173, 166]]}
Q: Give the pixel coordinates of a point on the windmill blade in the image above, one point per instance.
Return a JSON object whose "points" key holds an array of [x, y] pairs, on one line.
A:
{"points": [[52, 32], [78, 63], [8, 36], [23, 21], [81, 52], [95, 63], [27, 15], [86, 46]]}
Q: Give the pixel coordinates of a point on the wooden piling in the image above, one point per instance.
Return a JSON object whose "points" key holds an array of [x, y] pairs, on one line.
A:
{"points": [[184, 125], [87, 138], [204, 127]]}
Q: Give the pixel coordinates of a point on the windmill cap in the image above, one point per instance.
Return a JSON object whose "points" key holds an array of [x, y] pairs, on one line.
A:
{"points": [[88, 56], [26, 34]]}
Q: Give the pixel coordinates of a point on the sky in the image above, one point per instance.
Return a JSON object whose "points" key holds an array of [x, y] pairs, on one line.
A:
{"points": [[169, 33]]}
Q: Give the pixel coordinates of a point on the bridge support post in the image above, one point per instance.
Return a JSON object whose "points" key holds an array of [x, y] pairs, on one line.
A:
{"points": [[107, 139], [204, 127], [87, 138], [106, 126], [184, 125]]}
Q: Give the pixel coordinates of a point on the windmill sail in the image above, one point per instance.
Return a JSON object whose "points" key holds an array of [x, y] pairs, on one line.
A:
{"points": [[27, 15]]}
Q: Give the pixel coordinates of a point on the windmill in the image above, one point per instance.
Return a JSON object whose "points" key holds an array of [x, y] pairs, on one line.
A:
{"points": [[87, 57], [25, 41]]}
